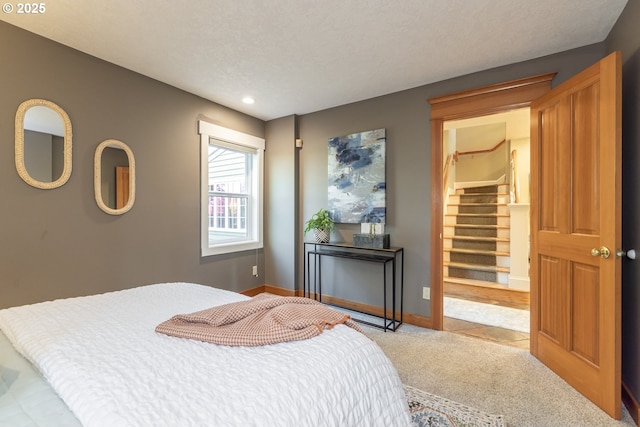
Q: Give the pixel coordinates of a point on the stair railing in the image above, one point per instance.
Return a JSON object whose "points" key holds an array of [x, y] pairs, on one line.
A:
{"points": [[515, 182], [445, 174]]}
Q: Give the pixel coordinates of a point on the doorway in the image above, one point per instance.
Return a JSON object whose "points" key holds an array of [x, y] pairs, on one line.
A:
{"points": [[485, 101], [486, 220]]}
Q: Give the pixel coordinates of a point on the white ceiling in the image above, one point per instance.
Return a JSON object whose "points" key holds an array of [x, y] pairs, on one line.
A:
{"points": [[300, 56]]}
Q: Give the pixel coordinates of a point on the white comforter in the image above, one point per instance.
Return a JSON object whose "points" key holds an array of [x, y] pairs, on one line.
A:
{"points": [[101, 355]]}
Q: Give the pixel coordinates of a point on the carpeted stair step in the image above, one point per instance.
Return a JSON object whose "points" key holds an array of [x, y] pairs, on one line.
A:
{"points": [[478, 198], [483, 189], [500, 198], [472, 230], [478, 219], [478, 208], [488, 273], [472, 257], [476, 257], [479, 243], [487, 189]]}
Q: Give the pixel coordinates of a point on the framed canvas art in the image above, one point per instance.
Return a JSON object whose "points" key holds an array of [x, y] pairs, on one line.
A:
{"points": [[357, 177]]}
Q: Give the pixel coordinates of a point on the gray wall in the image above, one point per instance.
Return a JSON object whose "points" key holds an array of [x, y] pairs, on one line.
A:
{"points": [[58, 243], [405, 117], [281, 190], [625, 37]]}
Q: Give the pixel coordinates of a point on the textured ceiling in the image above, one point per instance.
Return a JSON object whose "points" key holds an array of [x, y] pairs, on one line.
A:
{"points": [[300, 56]]}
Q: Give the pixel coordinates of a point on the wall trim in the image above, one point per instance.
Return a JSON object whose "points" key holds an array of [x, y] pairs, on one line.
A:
{"points": [[272, 290], [631, 403], [410, 319]]}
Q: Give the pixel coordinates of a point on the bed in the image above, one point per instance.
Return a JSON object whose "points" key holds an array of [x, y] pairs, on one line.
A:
{"points": [[103, 358]]}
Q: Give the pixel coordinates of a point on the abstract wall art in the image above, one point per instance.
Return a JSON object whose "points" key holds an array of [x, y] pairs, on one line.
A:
{"points": [[357, 177]]}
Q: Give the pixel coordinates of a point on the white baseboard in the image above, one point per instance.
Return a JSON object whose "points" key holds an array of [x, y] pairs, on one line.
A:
{"points": [[521, 283]]}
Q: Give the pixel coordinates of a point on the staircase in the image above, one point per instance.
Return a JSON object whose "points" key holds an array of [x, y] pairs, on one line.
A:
{"points": [[476, 236]]}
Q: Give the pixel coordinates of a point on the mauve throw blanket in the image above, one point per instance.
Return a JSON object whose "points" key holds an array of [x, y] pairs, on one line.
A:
{"points": [[264, 319]]}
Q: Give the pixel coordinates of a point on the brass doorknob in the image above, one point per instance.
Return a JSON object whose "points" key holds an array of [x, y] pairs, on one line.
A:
{"points": [[603, 252]]}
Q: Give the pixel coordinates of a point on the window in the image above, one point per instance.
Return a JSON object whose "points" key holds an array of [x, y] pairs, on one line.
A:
{"points": [[231, 189]]}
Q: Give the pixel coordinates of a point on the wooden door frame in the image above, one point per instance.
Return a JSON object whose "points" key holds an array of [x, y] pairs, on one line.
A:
{"points": [[483, 101]]}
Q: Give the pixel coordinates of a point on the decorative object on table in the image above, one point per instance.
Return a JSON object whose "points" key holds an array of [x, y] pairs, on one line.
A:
{"points": [[372, 236], [371, 227], [357, 177], [322, 225]]}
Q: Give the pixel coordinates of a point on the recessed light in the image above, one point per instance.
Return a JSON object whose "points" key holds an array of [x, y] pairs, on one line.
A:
{"points": [[248, 100]]}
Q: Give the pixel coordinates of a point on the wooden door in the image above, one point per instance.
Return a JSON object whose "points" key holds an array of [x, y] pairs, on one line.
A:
{"points": [[576, 209]]}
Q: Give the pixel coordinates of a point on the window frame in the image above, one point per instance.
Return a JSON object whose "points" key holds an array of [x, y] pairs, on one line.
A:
{"points": [[243, 142]]}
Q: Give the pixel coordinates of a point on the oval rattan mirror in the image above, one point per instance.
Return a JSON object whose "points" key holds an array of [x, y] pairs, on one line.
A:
{"points": [[114, 177], [43, 147]]}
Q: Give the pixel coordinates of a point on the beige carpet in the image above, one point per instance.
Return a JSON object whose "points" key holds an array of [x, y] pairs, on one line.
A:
{"points": [[492, 378]]}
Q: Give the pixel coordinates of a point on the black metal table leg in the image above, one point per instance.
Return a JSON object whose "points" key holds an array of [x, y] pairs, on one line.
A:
{"points": [[393, 290]]}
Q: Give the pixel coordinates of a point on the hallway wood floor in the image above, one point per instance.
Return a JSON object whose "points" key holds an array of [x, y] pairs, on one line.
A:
{"points": [[488, 293], [487, 333]]}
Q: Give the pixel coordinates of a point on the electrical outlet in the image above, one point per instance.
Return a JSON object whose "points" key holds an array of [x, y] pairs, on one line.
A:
{"points": [[255, 271], [426, 293]]}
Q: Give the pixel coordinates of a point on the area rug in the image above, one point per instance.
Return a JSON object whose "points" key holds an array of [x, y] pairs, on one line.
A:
{"points": [[487, 314], [428, 410]]}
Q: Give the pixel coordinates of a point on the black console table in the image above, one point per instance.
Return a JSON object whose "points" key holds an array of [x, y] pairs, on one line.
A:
{"points": [[393, 256]]}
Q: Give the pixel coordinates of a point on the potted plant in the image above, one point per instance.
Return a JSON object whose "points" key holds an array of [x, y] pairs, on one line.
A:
{"points": [[322, 226]]}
